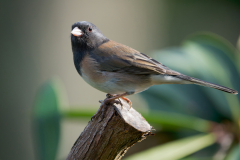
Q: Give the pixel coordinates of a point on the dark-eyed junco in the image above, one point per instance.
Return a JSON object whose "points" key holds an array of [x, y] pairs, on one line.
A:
{"points": [[119, 70]]}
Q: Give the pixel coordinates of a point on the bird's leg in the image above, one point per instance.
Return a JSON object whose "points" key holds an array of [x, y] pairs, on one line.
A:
{"points": [[128, 101], [112, 99], [120, 104], [108, 100], [109, 95], [103, 105]]}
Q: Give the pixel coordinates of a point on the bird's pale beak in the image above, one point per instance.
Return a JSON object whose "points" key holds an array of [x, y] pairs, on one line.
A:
{"points": [[77, 32]]}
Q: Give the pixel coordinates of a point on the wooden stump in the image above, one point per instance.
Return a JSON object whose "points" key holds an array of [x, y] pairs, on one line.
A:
{"points": [[110, 137]]}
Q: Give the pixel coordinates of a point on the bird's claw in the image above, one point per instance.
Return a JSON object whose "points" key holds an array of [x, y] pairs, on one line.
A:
{"points": [[111, 99], [103, 105], [128, 101], [119, 102]]}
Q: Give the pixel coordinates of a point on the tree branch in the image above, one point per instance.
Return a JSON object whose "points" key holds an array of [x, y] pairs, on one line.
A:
{"points": [[110, 137]]}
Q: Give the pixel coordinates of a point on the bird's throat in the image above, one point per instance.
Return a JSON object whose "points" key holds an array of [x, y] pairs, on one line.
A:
{"points": [[77, 58]]}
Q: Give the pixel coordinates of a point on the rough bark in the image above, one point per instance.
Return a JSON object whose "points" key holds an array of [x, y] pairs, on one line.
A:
{"points": [[109, 138]]}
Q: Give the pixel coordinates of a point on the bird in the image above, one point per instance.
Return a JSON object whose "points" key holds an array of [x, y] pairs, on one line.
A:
{"points": [[119, 70]]}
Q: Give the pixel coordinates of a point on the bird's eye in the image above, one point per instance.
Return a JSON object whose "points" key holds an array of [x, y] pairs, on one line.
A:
{"points": [[90, 29]]}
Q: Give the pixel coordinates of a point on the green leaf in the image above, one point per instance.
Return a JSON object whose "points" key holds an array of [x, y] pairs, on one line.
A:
{"points": [[208, 57], [169, 119], [46, 121], [81, 112], [166, 119], [177, 149], [234, 153]]}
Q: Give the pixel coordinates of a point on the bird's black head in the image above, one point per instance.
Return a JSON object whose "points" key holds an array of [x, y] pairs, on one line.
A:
{"points": [[86, 36]]}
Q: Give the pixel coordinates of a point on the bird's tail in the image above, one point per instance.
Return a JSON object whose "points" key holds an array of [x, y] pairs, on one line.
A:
{"points": [[207, 84]]}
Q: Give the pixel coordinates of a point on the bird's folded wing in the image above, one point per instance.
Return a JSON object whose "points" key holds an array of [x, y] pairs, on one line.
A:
{"points": [[115, 57]]}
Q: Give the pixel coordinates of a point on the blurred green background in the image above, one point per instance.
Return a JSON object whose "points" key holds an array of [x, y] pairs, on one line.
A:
{"points": [[45, 104]]}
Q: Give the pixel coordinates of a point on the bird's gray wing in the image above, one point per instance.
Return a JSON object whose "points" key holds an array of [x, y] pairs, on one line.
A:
{"points": [[115, 57]]}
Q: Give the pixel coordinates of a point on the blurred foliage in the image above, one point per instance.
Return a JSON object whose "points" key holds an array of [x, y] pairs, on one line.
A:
{"points": [[159, 118], [177, 149], [46, 121], [234, 154], [203, 120], [207, 57], [211, 58]]}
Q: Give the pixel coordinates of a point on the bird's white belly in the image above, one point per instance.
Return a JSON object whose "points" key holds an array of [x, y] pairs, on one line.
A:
{"points": [[112, 82], [115, 84]]}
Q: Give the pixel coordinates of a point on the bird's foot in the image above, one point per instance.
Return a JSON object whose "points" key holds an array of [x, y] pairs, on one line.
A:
{"points": [[107, 101], [128, 101], [111, 99]]}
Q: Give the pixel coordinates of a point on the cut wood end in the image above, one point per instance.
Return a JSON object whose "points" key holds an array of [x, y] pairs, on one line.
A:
{"points": [[132, 117], [112, 131]]}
